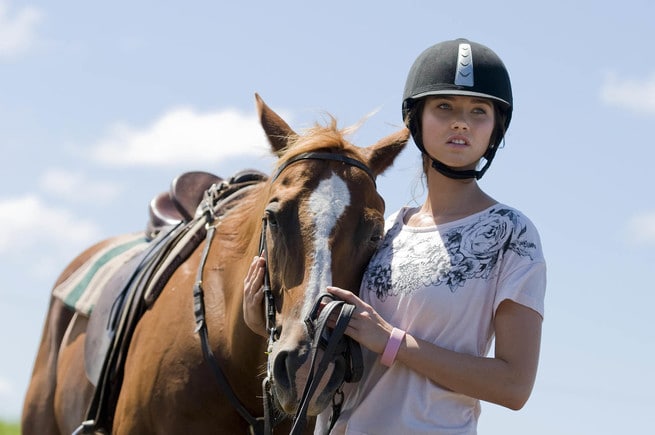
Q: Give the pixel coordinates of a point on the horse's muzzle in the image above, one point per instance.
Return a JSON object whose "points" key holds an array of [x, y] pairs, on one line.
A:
{"points": [[291, 370]]}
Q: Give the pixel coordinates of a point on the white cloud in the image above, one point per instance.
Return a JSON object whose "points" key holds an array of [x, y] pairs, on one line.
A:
{"points": [[641, 229], [18, 30], [632, 94], [184, 136], [26, 222], [76, 186]]}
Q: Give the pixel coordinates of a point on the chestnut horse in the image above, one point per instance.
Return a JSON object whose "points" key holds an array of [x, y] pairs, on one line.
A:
{"points": [[321, 219]]}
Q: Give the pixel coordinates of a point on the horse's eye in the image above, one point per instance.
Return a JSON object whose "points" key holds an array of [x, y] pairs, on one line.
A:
{"points": [[377, 234], [271, 218]]}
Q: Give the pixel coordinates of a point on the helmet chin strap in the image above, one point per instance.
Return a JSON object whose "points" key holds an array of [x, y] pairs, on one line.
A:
{"points": [[460, 174], [457, 174]]}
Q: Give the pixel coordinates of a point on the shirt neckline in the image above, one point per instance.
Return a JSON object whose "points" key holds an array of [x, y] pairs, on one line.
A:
{"points": [[422, 229]]}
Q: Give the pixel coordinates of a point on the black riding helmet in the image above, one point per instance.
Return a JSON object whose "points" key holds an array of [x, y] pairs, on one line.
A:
{"points": [[458, 67]]}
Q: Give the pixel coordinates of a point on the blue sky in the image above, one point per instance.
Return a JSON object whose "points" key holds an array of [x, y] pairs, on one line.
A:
{"points": [[101, 105]]}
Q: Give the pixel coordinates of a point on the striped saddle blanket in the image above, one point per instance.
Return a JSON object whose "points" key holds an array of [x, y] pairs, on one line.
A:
{"points": [[81, 290]]}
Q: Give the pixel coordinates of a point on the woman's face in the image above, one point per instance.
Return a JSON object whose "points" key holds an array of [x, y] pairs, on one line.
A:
{"points": [[457, 129]]}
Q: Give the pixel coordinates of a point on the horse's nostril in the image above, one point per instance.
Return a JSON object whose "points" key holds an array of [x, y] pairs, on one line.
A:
{"points": [[280, 370]]}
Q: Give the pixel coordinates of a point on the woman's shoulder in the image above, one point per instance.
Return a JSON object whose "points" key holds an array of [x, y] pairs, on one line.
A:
{"points": [[396, 216], [512, 214], [519, 232]]}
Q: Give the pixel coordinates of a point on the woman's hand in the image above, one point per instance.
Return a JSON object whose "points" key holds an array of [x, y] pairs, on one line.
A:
{"points": [[505, 379], [366, 326], [253, 297]]}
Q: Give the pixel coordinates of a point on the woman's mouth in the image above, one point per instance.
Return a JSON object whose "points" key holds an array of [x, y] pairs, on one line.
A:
{"points": [[457, 141]]}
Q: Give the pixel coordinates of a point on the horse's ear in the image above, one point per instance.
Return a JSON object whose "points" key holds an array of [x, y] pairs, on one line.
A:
{"points": [[276, 129], [384, 152]]}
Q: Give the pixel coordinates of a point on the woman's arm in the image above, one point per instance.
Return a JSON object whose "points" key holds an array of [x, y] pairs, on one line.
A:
{"points": [[506, 379]]}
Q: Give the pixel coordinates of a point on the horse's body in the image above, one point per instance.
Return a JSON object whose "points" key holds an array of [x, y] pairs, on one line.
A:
{"points": [[324, 218]]}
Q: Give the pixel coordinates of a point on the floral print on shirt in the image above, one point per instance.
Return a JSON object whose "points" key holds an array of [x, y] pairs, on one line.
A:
{"points": [[468, 251]]}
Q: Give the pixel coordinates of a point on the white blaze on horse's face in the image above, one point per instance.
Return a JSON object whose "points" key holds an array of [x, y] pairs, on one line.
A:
{"points": [[326, 204]]}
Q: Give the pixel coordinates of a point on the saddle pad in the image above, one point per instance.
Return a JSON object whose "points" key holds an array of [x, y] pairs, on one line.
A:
{"points": [[80, 291]]}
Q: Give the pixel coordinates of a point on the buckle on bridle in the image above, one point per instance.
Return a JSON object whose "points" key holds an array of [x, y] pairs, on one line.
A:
{"points": [[312, 320]]}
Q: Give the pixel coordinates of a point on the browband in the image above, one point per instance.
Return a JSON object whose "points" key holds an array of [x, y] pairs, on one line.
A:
{"points": [[325, 156]]}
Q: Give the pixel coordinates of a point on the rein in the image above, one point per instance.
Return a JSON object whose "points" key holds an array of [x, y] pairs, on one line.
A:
{"points": [[333, 343], [217, 198]]}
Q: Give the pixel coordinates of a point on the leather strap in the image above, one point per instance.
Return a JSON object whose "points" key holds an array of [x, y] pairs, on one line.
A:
{"points": [[331, 346], [256, 424], [325, 156]]}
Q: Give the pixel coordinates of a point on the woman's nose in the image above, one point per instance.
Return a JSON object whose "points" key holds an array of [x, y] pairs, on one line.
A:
{"points": [[459, 123]]}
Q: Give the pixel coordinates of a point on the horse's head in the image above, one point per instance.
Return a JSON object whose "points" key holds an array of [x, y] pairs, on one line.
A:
{"points": [[322, 222]]}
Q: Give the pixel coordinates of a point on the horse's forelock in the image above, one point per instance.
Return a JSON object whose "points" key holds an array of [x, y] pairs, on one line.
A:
{"points": [[237, 231], [320, 137]]}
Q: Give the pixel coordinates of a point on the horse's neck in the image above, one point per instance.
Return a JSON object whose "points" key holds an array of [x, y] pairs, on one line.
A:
{"points": [[228, 294], [235, 244]]}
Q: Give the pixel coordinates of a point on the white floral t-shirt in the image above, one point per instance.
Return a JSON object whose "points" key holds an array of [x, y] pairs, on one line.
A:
{"points": [[441, 284]]}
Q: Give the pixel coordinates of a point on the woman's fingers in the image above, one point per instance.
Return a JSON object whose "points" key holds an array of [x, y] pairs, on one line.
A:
{"points": [[254, 279], [253, 307], [344, 295], [366, 325]]}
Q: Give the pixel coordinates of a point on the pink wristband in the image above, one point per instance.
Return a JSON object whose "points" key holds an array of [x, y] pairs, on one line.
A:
{"points": [[391, 350]]}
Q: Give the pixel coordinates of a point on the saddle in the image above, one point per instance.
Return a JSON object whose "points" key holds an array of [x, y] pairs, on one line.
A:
{"points": [[179, 204], [175, 227]]}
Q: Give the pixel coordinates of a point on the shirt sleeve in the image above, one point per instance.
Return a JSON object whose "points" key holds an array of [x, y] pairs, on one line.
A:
{"points": [[523, 274], [525, 286]]}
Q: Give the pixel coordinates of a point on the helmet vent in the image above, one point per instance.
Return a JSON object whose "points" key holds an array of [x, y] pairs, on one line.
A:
{"points": [[464, 72]]}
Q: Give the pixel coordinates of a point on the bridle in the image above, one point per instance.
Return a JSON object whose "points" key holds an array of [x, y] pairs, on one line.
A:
{"points": [[269, 300], [333, 342]]}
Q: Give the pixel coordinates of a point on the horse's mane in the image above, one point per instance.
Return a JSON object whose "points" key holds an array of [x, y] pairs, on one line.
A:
{"points": [[240, 223]]}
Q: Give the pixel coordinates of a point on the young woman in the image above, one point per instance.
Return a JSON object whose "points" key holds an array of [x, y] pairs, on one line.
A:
{"points": [[451, 275]]}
